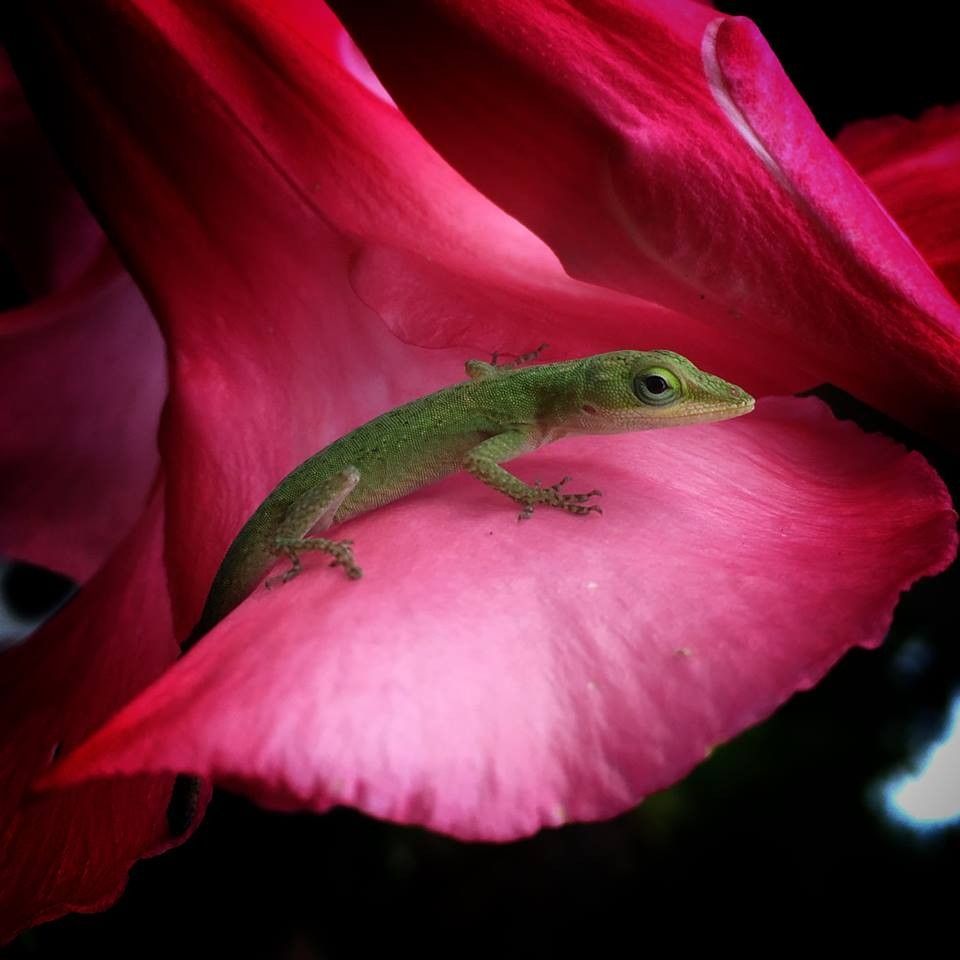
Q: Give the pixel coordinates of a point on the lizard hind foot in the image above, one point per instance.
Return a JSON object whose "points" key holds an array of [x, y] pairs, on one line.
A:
{"points": [[339, 550], [294, 571]]}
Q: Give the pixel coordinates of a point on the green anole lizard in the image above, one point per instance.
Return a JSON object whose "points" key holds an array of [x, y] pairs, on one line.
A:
{"points": [[500, 413]]}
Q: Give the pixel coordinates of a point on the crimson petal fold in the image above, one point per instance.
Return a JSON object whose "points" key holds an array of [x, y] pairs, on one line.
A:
{"points": [[659, 149], [913, 166], [72, 850]]}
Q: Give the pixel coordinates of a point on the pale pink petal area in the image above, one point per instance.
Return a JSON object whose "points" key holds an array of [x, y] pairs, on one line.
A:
{"points": [[913, 166], [487, 677], [71, 850], [82, 383], [82, 367], [660, 150]]}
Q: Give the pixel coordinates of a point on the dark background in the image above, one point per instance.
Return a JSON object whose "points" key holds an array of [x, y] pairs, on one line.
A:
{"points": [[778, 837]]}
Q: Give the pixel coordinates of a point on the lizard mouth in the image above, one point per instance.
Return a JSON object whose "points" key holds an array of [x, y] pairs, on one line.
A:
{"points": [[708, 415]]}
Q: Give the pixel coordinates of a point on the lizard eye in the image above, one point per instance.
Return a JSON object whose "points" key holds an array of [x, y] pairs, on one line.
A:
{"points": [[656, 386]]}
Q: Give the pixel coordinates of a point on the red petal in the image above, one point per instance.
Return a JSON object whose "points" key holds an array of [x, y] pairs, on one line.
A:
{"points": [[46, 233], [486, 677], [659, 149], [914, 168], [72, 850]]}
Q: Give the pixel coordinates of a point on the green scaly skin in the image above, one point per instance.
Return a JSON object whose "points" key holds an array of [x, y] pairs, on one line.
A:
{"points": [[500, 413]]}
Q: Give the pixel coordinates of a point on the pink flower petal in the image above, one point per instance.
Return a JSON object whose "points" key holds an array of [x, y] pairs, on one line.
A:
{"points": [[82, 368], [269, 277], [82, 381], [914, 168], [262, 248], [440, 263], [72, 850], [501, 676], [660, 150]]}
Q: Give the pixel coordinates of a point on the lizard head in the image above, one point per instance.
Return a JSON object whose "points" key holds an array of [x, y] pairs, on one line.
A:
{"points": [[639, 390]]}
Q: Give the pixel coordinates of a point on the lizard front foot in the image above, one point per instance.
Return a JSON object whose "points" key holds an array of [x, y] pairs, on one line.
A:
{"points": [[552, 497], [519, 359]]}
